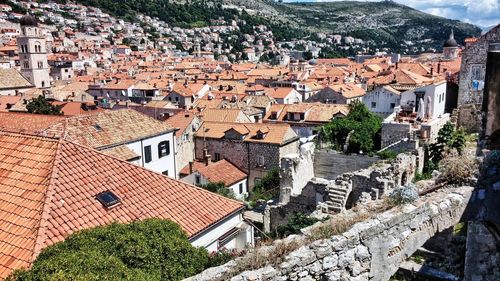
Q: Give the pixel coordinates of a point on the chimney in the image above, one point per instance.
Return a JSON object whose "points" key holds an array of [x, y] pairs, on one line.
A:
{"points": [[208, 159], [191, 167], [439, 67], [432, 71]]}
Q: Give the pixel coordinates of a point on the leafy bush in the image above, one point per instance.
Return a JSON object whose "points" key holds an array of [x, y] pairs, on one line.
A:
{"points": [[222, 257], [268, 187], [424, 176], [40, 105], [220, 188], [294, 225], [387, 154], [404, 194], [152, 249], [457, 169]]}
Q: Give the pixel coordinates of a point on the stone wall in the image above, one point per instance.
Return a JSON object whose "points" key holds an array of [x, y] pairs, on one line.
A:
{"points": [[394, 132], [482, 261], [331, 164], [296, 171], [469, 117], [474, 56], [370, 250]]}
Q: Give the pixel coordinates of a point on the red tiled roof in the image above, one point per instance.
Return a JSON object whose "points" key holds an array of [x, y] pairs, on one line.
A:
{"points": [[222, 171], [181, 121], [48, 190], [26, 122]]}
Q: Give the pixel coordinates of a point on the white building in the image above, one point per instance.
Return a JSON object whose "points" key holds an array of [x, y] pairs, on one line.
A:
{"points": [[432, 96], [382, 100]]}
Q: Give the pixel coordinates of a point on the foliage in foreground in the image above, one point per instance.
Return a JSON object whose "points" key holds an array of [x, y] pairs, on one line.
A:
{"points": [[358, 130], [152, 249]]}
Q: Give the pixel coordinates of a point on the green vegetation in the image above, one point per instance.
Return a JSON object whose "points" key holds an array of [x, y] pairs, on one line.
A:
{"points": [[448, 139], [152, 249], [267, 188], [359, 129], [219, 188], [387, 154], [293, 226], [41, 105]]}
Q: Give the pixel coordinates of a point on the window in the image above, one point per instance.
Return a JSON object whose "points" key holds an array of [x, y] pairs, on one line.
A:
{"points": [[163, 149], [393, 105], [147, 154], [217, 157], [108, 199], [274, 116], [185, 137], [260, 160], [40, 64], [26, 64], [197, 179], [476, 72], [241, 188], [170, 98], [165, 173], [98, 128], [374, 104], [177, 99]]}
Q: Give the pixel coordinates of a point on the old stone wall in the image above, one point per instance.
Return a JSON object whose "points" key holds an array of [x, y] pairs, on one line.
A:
{"points": [[296, 171], [482, 261], [469, 117], [394, 132], [331, 164], [474, 61], [369, 251]]}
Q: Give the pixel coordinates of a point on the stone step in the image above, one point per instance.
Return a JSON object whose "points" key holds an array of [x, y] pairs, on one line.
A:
{"points": [[336, 193], [334, 204], [336, 200], [337, 197], [338, 189]]}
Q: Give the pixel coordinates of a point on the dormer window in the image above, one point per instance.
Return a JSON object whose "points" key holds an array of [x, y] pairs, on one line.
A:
{"points": [[274, 116]]}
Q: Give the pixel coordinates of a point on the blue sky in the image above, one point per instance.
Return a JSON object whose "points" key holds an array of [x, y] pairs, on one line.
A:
{"points": [[483, 13]]}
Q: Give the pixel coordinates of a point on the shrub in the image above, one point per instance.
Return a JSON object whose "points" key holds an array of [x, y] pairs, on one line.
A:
{"points": [[387, 154], [151, 249], [294, 225], [404, 194], [220, 188], [457, 169]]}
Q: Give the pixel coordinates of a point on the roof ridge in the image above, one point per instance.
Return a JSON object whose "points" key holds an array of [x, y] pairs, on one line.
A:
{"points": [[49, 194]]}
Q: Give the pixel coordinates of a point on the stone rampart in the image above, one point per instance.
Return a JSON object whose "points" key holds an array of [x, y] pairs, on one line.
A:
{"points": [[369, 250]]}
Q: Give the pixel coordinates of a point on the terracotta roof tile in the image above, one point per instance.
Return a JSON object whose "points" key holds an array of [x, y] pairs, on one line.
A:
{"points": [[222, 171], [48, 189]]}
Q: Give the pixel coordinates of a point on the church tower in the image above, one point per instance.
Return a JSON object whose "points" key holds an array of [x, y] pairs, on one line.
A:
{"points": [[450, 48], [33, 53]]}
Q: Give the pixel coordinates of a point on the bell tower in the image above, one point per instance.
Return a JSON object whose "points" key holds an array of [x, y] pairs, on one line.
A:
{"points": [[33, 53]]}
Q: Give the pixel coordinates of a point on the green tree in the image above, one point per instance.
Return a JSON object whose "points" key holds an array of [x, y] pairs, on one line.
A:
{"points": [[358, 130], [448, 138], [151, 249], [219, 188], [40, 105]]}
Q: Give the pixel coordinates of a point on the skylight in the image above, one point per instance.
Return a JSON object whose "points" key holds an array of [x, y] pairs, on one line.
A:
{"points": [[108, 199], [98, 127]]}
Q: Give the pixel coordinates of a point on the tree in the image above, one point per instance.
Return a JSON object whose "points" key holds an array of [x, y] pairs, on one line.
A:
{"points": [[219, 188], [40, 105], [448, 139], [151, 249], [358, 130]]}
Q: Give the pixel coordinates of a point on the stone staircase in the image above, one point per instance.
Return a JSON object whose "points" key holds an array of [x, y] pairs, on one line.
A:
{"points": [[337, 198]]}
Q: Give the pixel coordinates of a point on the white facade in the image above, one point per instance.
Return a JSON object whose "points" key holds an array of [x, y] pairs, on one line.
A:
{"points": [[231, 233], [433, 95], [148, 150], [382, 101]]}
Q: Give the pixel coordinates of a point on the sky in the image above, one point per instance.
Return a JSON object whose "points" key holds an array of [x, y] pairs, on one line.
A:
{"points": [[483, 13]]}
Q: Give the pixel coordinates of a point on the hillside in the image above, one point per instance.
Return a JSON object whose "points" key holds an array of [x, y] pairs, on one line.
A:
{"points": [[383, 24]]}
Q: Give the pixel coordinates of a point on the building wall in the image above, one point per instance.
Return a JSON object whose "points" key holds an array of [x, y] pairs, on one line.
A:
{"points": [[384, 101], [208, 239], [437, 95], [474, 61], [185, 147], [247, 156], [159, 165], [394, 132]]}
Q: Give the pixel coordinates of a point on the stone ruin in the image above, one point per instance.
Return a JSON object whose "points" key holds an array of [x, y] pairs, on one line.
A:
{"points": [[301, 192]]}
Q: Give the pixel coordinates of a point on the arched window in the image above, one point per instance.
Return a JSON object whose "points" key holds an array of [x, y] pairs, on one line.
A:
{"points": [[43, 84]]}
